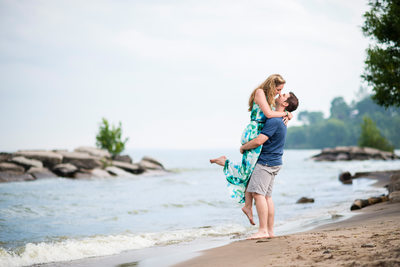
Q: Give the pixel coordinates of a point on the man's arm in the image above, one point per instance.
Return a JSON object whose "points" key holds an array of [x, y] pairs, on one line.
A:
{"points": [[256, 142]]}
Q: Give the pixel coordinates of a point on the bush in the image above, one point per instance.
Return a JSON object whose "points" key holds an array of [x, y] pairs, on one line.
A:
{"points": [[371, 136], [110, 139]]}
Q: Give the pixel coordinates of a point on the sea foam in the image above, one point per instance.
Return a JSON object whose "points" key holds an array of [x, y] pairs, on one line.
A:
{"points": [[73, 249]]}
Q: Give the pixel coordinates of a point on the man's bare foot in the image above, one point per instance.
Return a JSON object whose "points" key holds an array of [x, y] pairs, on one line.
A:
{"points": [[249, 214], [220, 161], [258, 235], [271, 234]]}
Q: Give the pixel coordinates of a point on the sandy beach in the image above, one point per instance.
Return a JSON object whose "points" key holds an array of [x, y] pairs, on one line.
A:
{"points": [[370, 238]]}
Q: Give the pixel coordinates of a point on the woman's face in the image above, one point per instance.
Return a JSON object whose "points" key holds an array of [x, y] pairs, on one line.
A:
{"points": [[278, 89]]}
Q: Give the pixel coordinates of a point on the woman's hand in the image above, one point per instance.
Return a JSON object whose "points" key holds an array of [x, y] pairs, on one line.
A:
{"points": [[290, 116], [285, 120], [241, 150]]}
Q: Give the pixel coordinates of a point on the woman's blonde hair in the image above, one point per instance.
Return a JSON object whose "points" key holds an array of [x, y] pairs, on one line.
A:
{"points": [[269, 87]]}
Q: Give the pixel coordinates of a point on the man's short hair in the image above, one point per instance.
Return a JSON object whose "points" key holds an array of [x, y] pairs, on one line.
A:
{"points": [[293, 102]]}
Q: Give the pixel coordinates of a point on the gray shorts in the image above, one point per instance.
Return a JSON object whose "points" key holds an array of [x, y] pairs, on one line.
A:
{"points": [[262, 179]]}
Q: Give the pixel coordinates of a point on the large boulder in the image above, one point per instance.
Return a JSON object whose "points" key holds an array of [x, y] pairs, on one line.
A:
{"points": [[65, 170], [100, 173], [394, 196], [361, 203], [353, 153], [10, 176], [11, 167], [41, 173], [83, 175], [93, 151], [130, 167], [119, 172], [81, 160], [345, 178], [48, 158], [5, 156], [123, 158], [151, 164], [27, 163], [394, 184]]}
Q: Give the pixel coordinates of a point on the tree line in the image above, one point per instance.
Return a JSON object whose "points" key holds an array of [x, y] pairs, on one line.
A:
{"points": [[347, 125]]}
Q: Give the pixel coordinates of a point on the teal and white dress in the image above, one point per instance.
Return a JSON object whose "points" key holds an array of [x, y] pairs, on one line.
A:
{"points": [[238, 175]]}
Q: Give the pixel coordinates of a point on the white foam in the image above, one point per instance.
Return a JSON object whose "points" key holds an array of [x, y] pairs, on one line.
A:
{"points": [[73, 249]]}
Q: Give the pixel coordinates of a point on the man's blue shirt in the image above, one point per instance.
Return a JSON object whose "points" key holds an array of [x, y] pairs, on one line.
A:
{"points": [[272, 150]]}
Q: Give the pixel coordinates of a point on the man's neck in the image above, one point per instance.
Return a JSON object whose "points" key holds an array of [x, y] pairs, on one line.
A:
{"points": [[279, 108]]}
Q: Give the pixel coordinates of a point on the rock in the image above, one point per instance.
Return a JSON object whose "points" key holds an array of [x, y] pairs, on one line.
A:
{"points": [[394, 184], [353, 153], [82, 175], [375, 200], [130, 167], [119, 172], [305, 200], [93, 151], [5, 156], [81, 160], [342, 156], [394, 196], [11, 167], [123, 158], [27, 163], [345, 177], [368, 245], [41, 173], [359, 204], [65, 170], [48, 158], [9, 176], [99, 173], [151, 164]]}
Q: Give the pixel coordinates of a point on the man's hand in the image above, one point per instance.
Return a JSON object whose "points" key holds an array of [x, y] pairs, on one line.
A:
{"points": [[241, 150]]}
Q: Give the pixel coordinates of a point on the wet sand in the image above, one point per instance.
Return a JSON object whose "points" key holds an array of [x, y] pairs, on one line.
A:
{"points": [[370, 238]]}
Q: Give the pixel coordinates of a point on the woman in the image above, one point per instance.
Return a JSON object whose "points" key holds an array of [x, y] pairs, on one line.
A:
{"points": [[261, 104]]}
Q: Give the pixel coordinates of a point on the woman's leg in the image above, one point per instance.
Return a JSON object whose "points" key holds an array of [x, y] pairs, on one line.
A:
{"points": [[248, 207]]}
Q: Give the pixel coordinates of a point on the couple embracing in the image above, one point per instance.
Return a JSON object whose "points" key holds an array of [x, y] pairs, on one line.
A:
{"points": [[262, 147]]}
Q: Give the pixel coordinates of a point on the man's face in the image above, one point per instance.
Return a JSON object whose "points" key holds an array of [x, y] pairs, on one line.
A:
{"points": [[282, 99]]}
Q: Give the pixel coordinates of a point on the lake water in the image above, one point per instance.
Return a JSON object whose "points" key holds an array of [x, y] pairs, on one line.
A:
{"points": [[61, 219]]}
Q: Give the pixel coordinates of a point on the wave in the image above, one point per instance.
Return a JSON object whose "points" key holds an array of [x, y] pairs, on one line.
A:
{"points": [[74, 249]]}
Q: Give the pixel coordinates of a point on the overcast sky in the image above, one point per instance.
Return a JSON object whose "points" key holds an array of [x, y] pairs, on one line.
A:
{"points": [[177, 74]]}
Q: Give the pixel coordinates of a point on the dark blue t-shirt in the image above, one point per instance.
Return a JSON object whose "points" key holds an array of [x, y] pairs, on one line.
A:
{"points": [[272, 150]]}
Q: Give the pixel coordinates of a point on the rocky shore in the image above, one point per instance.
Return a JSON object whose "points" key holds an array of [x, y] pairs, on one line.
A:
{"points": [[82, 163], [353, 153]]}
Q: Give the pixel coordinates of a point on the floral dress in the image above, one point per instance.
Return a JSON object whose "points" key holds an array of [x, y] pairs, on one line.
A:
{"points": [[238, 175]]}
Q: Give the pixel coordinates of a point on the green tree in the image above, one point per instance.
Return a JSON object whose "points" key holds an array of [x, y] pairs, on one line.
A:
{"points": [[339, 109], [110, 138], [371, 137], [382, 70], [311, 117]]}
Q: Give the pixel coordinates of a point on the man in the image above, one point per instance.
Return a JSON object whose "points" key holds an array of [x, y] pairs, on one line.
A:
{"points": [[272, 137]]}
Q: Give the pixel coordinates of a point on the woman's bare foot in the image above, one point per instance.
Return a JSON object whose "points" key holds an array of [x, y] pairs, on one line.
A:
{"points": [[249, 214], [220, 161], [259, 235]]}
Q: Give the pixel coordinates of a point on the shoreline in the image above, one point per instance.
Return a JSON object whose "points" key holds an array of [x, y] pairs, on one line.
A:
{"points": [[223, 251], [371, 237]]}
